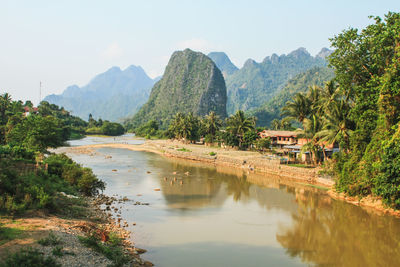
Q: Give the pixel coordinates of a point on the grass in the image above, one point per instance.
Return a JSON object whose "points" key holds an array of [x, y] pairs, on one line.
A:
{"points": [[112, 249], [8, 234], [184, 149], [50, 240], [298, 165], [29, 257]]}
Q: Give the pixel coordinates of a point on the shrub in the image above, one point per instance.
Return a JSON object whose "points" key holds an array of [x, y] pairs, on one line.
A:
{"points": [[30, 257]]}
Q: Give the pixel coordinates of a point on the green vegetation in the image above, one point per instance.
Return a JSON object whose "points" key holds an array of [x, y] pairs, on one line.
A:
{"points": [[184, 149], [256, 83], [359, 110], [240, 130], [267, 113], [28, 178], [9, 233], [191, 83], [212, 153], [112, 249], [29, 257], [50, 240], [104, 127]]}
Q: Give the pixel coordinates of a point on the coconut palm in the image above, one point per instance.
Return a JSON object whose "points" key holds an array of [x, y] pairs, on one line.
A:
{"points": [[212, 123], [312, 126], [176, 125], [337, 126], [314, 96], [275, 124], [297, 109], [239, 124]]}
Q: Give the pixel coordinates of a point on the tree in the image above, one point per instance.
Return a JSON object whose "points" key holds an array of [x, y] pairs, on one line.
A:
{"points": [[337, 127], [297, 109], [238, 124], [38, 133], [311, 127], [211, 125], [275, 124]]}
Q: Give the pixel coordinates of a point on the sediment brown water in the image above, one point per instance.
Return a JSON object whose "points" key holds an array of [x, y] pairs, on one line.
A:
{"points": [[208, 216]]}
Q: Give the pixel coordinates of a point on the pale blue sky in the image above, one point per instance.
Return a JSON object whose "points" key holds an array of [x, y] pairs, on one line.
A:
{"points": [[68, 42]]}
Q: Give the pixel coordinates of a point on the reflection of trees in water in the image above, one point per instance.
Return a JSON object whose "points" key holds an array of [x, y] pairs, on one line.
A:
{"points": [[237, 186], [340, 234]]}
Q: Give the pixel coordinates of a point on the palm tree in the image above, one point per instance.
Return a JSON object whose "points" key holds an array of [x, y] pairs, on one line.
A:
{"points": [[315, 99], [275, 124], [176, 125], [337, 127], [297, 109], [212, 123], [311, 127], [239, 124]]}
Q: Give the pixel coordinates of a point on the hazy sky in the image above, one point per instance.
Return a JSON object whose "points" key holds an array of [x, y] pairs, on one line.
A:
{"points": [[69, 42]]}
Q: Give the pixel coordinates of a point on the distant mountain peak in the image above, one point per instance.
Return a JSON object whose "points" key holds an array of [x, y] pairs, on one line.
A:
{"points": [[110, 95], [114, 69], [299, 52], [223, 63], [249, 62], [324, 53]]}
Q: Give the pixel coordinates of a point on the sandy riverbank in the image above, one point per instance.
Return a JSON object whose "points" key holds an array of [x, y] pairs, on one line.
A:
{"points": [[243, 161], [247, 161]]}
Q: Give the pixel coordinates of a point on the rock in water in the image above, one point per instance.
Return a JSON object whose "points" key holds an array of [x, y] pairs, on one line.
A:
{"points": [[191, 83]]}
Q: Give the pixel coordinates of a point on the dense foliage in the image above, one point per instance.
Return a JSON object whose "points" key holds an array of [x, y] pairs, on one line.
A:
{"points": [[240, 130], [255, 83], [28, 179], [191, 83], [360, 110], [104, 127]]}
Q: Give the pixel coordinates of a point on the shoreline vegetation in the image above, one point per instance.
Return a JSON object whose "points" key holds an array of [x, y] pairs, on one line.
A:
{"points": [[51, 209], [249, 162]]}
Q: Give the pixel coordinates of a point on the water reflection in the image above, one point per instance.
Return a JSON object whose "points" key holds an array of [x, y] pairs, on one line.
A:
{"points": [[329, 232], [218, 216]]}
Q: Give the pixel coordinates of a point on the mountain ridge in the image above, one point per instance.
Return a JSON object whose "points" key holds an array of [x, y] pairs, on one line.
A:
{"points": [[111, 95], [255, 83]]}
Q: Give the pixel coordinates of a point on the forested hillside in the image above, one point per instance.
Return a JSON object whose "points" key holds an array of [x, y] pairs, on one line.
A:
{"points": [[191, 83], [300, 84], [255, 83]]}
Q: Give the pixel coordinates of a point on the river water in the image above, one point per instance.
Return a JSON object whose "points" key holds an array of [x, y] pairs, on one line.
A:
{"points": [[215, 216]]}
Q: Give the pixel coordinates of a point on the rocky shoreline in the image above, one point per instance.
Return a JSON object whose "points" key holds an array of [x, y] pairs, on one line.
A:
{"points": [[100, 222]]}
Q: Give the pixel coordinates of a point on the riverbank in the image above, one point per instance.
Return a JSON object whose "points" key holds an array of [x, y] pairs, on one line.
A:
{"points": [[65, 235], [248, 161], [244, 161]]}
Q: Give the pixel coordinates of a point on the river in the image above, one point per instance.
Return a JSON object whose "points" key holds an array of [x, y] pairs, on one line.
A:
{"points": [[209, 216]]}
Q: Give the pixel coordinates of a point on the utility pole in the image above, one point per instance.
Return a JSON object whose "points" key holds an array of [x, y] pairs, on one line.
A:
{"points": [[40, 92]]}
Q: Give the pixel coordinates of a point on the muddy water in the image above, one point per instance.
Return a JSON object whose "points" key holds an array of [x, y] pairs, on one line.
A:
{"points": [[203, 216]]}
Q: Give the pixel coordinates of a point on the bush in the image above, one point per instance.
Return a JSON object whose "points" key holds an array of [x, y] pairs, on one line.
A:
{"points": [[28, 258], [111, 249], [81, 178], [39, 189]]}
